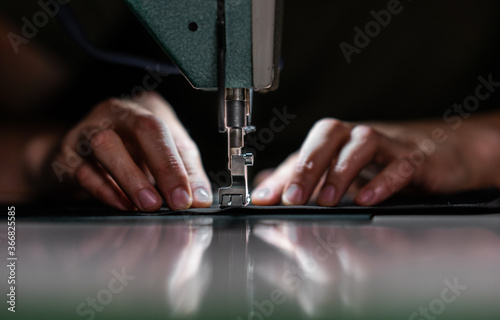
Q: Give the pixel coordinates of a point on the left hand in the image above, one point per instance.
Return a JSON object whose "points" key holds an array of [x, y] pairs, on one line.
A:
{"points": [[335, 153]]}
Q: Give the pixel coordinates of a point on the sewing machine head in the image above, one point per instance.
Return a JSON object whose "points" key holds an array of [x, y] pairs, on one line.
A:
{"points": [[232, 46]]}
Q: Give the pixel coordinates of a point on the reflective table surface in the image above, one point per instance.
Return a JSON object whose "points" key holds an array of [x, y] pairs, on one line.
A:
{"points": [[256, 267]]}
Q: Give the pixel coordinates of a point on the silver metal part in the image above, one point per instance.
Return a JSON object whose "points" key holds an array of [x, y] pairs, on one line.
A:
{"points": [[237, 115], [266, 42]]}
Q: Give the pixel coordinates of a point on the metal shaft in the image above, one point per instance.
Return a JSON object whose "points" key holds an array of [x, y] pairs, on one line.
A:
{"points": [[237, 111]]}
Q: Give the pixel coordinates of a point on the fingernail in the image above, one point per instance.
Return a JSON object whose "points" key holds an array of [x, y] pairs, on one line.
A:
{"points": [[293, 195], [147, 199], [180, 199], [262, 193], [366, 196], [201, 195], [327, 195]]}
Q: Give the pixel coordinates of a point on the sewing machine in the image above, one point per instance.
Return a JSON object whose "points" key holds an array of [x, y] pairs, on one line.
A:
{"points": [[232, 46]]}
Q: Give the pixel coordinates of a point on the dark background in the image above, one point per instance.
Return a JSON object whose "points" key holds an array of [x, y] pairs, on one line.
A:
{"points": [[424, 61]]}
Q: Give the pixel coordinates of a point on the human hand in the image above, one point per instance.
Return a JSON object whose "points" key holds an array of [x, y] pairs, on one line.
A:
{"points": [[122, 149], [335, 153]]}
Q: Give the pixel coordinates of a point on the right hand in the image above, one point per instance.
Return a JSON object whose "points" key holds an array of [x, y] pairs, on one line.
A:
{"points": [[122, 149]]}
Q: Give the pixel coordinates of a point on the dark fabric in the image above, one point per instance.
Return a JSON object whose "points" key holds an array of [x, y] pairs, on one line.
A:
{"points": [[470, 203]]}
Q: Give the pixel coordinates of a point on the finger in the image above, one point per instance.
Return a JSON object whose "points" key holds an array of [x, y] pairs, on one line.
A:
{"points": [[269, 191], [320, 146], [261, 176], [187, 149], [398, 174], [163, 160], [354, 156], [191, 158], [99, 184], [315, 194], [111, 153], [198, 180]]}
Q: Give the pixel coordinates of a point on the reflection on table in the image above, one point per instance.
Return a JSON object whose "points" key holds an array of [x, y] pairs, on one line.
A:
{"points": [[259, 268]]}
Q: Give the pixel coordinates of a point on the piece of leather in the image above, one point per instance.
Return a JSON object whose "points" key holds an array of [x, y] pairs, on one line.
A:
{"points": [[478, 202], [484, 201]]}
